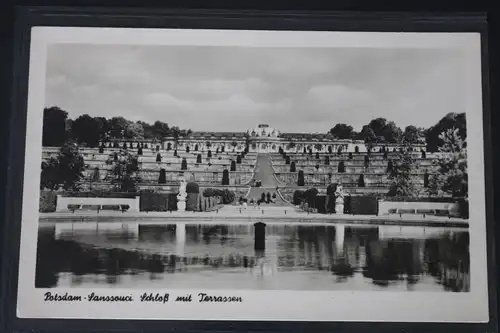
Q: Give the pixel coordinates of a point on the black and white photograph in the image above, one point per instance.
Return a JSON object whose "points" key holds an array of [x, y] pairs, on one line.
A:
{"points": [[245, 170]]}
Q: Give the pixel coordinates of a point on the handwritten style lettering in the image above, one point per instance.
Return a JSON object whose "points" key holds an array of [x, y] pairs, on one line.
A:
{"points": [[155, 298], [50, 297], [204, 298]]}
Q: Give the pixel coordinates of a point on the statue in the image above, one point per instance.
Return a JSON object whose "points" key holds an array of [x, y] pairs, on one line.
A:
{"points": [[339, 200], [181, 197]]}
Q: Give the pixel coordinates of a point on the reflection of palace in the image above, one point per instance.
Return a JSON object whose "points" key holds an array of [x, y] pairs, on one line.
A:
{"points": [[345, 252]]}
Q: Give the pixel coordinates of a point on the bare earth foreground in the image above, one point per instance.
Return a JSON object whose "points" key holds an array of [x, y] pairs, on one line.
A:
{"points": [[235, 214]]}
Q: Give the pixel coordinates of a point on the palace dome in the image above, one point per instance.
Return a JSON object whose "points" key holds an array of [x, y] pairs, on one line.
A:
{"points": [[263, 130]]}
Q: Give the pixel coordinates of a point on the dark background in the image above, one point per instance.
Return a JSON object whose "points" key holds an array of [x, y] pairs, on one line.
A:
{"points": [[7, 74]]}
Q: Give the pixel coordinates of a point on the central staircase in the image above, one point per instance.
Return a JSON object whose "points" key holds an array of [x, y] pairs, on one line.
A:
{"points": [[265, 173]]}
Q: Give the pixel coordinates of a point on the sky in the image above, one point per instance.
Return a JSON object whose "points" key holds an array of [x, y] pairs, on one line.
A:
{"points": [[215, 88]]}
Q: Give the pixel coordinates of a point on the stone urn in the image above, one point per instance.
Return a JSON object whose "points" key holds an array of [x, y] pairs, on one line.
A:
{"points": [[181, 197]]}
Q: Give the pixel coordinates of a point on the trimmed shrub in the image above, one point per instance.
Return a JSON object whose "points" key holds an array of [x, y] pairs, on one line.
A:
{"points": [[196, 147], [341, 167], [115, 145], [339, 151], [390, 167], [329, 204], [330, 149], [187, 149], [287, 160], [192, 187], [233, 166], [297, 197], [125, 145], [175, 153], [310, 196], [209, 154], [101, 149], [157, 148], [139, 151], [115, 156], [350, 155], [192, 202], [327, 160], [386, 155], [361, 181], [162, 178], [198, 158], [426, 179], [317, 155], [320, 203], [225, 177], [423, 154], [238, 159], [367, 161], [158, 157], [184, 164], [292, 167], [48, 202], [300, 178], [463, 206], [330, 189], [131, 145]]}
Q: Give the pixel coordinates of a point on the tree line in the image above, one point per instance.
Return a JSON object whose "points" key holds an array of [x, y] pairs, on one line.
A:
{"points": [[380, 130], [88, 131]]}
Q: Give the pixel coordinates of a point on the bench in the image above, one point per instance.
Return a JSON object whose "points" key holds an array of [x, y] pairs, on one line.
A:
{"points": [[75, 207]]}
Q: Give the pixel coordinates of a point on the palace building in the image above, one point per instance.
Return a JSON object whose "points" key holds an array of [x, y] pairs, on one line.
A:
{"points": [[264, 139]]}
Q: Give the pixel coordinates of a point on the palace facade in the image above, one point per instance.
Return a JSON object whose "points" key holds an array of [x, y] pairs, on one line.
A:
{"points": [[263, 139]]}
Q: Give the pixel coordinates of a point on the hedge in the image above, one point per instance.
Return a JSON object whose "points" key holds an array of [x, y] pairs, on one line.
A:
{"points": [[421, 199], [100, 194], [48, 202], [362, 205]]}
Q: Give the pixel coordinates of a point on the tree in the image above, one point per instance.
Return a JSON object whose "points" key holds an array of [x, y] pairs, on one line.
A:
{"points": [[450, 121], [54, 127], [367, 134], [134, 131], [411, 134], [450, 169], [125, 173], [86, 129], [65, 171], [402, 183], [342, 131], [160, 129], [118, 126]]}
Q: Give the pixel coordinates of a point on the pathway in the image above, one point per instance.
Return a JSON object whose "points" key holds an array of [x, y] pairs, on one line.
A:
{"points": [[265, 173]]}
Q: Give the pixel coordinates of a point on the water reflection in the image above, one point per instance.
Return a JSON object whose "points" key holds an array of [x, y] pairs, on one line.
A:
{"points": [[223, 256]]}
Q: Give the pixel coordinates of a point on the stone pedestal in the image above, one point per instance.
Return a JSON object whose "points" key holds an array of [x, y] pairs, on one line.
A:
{"points": [[339, 208], [181, 204]]}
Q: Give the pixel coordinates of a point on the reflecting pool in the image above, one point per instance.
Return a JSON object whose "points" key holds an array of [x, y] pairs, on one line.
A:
{"points": [[223, 256]]}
